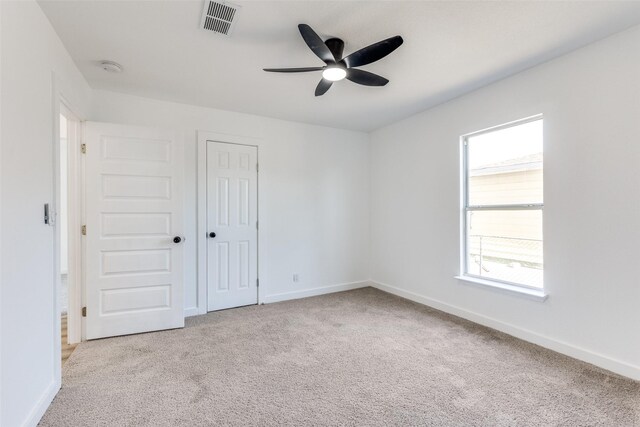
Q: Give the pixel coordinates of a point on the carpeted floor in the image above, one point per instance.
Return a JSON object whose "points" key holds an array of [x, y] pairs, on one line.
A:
{"points": [[354, 358]]}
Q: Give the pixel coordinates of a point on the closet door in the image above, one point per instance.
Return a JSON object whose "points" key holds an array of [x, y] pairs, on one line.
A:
{"points": [[232, 221]]}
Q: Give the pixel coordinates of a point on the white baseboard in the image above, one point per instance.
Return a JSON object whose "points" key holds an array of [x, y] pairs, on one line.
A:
{"points": [[41, 406], [605, 362], [314, 291]]}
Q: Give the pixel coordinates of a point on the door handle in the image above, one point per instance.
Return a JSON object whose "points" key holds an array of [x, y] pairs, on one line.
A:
{"points": [[178, 239], [212, 235]]}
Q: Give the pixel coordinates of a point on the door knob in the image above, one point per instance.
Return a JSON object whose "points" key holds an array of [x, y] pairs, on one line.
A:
{"points": [[177, 239], [212, 234]]}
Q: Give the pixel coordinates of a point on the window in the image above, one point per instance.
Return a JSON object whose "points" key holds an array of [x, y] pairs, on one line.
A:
{"points": [[502, 205]]}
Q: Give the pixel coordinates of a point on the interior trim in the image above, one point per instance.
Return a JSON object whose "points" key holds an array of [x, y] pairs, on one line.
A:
{"points": [[284, 296]]}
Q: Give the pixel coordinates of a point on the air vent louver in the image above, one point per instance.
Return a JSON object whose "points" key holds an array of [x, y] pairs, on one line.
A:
{"points": [[219, 17]]}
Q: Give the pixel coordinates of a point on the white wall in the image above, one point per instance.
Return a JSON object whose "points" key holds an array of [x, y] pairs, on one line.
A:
{"points": [[31, 51], [314, 193], [591, 105]]}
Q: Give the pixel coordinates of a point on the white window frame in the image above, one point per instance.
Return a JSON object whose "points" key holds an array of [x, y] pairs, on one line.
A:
{"points": [[532, 291]]}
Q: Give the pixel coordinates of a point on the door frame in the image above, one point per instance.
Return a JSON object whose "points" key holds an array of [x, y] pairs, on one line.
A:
{"points": [[203, 137], [75, 212], [75, 218]]}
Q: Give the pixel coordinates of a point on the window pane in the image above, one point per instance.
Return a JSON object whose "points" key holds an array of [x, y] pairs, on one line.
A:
{"points": [[506, 245], [505, 166]]}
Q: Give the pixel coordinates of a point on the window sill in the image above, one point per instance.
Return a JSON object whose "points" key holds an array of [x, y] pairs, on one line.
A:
{"points": [[535, 294]]}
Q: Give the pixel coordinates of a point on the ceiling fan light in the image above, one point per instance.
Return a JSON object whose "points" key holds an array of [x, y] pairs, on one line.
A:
{"points": [[334, 74]]}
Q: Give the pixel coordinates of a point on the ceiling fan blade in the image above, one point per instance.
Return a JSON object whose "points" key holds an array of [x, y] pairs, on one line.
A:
{"points": [[292, 70], [372, 53], [365, 78], [316, 44], [323, 87]]}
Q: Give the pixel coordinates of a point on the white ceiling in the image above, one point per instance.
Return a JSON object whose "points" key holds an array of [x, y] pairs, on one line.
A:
{"points": [[450, 48]]}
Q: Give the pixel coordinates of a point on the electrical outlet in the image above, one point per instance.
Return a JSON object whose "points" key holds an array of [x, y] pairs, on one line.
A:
{"points": [[296, 278]]}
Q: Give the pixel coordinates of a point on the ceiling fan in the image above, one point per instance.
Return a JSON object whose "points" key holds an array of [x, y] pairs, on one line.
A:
{"points": [[338, 68]]}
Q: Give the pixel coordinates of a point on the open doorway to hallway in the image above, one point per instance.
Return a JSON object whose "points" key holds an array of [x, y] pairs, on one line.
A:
{"points": [[68, 214]]}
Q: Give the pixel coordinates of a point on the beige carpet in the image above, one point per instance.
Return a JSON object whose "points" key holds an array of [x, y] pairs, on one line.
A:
{"points": [[355, 358]]}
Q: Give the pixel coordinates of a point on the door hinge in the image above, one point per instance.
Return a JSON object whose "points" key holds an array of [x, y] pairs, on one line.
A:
{"points": [[84, 311], [83, 148], [84, 230], [257, 283], [256, 225], [257, 167]]}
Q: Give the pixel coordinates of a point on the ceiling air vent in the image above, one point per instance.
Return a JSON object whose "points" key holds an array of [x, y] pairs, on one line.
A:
{"points": [[219, 16]]}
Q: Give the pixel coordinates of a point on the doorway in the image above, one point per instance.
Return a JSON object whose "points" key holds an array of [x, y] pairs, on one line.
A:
{"points": [[232, 225], [68, 238]]}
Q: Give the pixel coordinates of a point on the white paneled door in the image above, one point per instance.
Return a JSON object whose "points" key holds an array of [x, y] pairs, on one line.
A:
{"points": [[232, 221], [134, 226]]}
